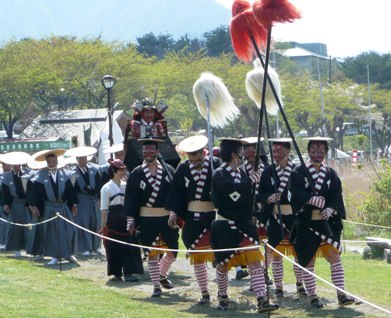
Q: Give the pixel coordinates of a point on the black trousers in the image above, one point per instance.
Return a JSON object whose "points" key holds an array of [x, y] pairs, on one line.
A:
{"points": [[121, 259]]}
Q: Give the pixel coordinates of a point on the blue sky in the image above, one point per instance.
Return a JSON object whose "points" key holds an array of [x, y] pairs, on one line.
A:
{"points": [[347, 27]]}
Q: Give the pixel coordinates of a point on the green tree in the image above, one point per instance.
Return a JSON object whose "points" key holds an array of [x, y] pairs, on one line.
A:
{"points": [[382, 124], [379, 68], [218, 41], [153, 45], [186, 44], [15, 84], [376, 208]]}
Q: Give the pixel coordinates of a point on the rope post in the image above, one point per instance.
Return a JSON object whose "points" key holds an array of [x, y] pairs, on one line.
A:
{"points": [[266, 282], [59, 240]]}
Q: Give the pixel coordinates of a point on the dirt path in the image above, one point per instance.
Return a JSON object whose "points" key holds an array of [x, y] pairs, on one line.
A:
{"points": [[186, 293]]}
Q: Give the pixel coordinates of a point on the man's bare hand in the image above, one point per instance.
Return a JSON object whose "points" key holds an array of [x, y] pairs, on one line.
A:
{"points": [[274, 198], [35, 211], [6, 209], [172, 220], [130, 225]]}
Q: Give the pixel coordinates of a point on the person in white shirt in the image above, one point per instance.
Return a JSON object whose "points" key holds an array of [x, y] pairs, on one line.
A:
{"points": [[122, 259]]}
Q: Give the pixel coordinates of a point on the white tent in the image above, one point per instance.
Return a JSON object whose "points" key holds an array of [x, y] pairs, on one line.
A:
{"points": [[104, 140], [340, 154]]}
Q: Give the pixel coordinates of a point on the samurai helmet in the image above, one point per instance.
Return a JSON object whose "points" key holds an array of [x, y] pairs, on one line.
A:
{"points": [[146, 103]]}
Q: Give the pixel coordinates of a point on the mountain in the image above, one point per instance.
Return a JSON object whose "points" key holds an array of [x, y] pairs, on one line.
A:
{"points": [[122, 20]]}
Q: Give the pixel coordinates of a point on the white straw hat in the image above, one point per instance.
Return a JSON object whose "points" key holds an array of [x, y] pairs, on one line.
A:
{"points": [[193, 143]]}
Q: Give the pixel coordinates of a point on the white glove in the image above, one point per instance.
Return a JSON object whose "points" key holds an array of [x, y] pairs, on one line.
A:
{"points": [[317, 201], [274, 198], [255, 176], [326, 213], [130, 224]]}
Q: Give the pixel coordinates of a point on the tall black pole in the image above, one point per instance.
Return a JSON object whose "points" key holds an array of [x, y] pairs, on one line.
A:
{"points": [[108, 82], [307, 173], [262, 111], [110, 114], [263, 106], [257, 150]]}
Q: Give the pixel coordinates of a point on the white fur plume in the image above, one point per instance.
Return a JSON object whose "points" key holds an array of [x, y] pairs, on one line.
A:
{"points": [[254, 84], [210, 88]]}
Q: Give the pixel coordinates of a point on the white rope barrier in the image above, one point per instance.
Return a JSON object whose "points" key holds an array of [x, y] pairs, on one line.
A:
{"points": [[28, 225], [158, 248], [326, 282], [367, 224], [366, 241]]}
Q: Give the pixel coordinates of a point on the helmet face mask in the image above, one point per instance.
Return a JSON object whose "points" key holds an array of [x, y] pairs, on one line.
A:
{"points": [[148, 114]]}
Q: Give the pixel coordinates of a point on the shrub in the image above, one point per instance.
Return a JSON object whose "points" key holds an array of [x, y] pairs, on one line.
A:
{"points": [[376, 206]]}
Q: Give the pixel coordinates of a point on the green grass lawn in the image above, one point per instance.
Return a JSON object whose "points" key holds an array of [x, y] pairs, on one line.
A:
{"points": [[29, 289]]}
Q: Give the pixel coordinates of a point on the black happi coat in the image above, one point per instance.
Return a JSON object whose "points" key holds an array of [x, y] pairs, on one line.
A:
{"points": [[234, 202], [89, 183], [87, 187], [64, 193], [266, 189], [13, 188], [306, 242], [138, 191], [258, 211], [182, 191]]}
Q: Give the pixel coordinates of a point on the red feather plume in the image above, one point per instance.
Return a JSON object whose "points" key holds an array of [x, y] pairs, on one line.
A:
{"points": [[267, 12], [239, 6], [242, 26]]}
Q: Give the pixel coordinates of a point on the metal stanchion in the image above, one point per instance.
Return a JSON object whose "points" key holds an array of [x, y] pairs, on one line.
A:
{"points": [[59, 242]]}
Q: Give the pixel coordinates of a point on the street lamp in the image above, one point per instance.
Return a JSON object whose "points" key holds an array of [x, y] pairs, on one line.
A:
{"points": [[108, 82]]}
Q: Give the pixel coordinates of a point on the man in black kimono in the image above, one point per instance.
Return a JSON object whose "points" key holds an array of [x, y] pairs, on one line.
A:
{"points": [[87, 187], [15, 184], [320, 210], [249, 146], [145, 197], [234, 227], [274, 195], [3, 225], [54, 190], [189, 198]]}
